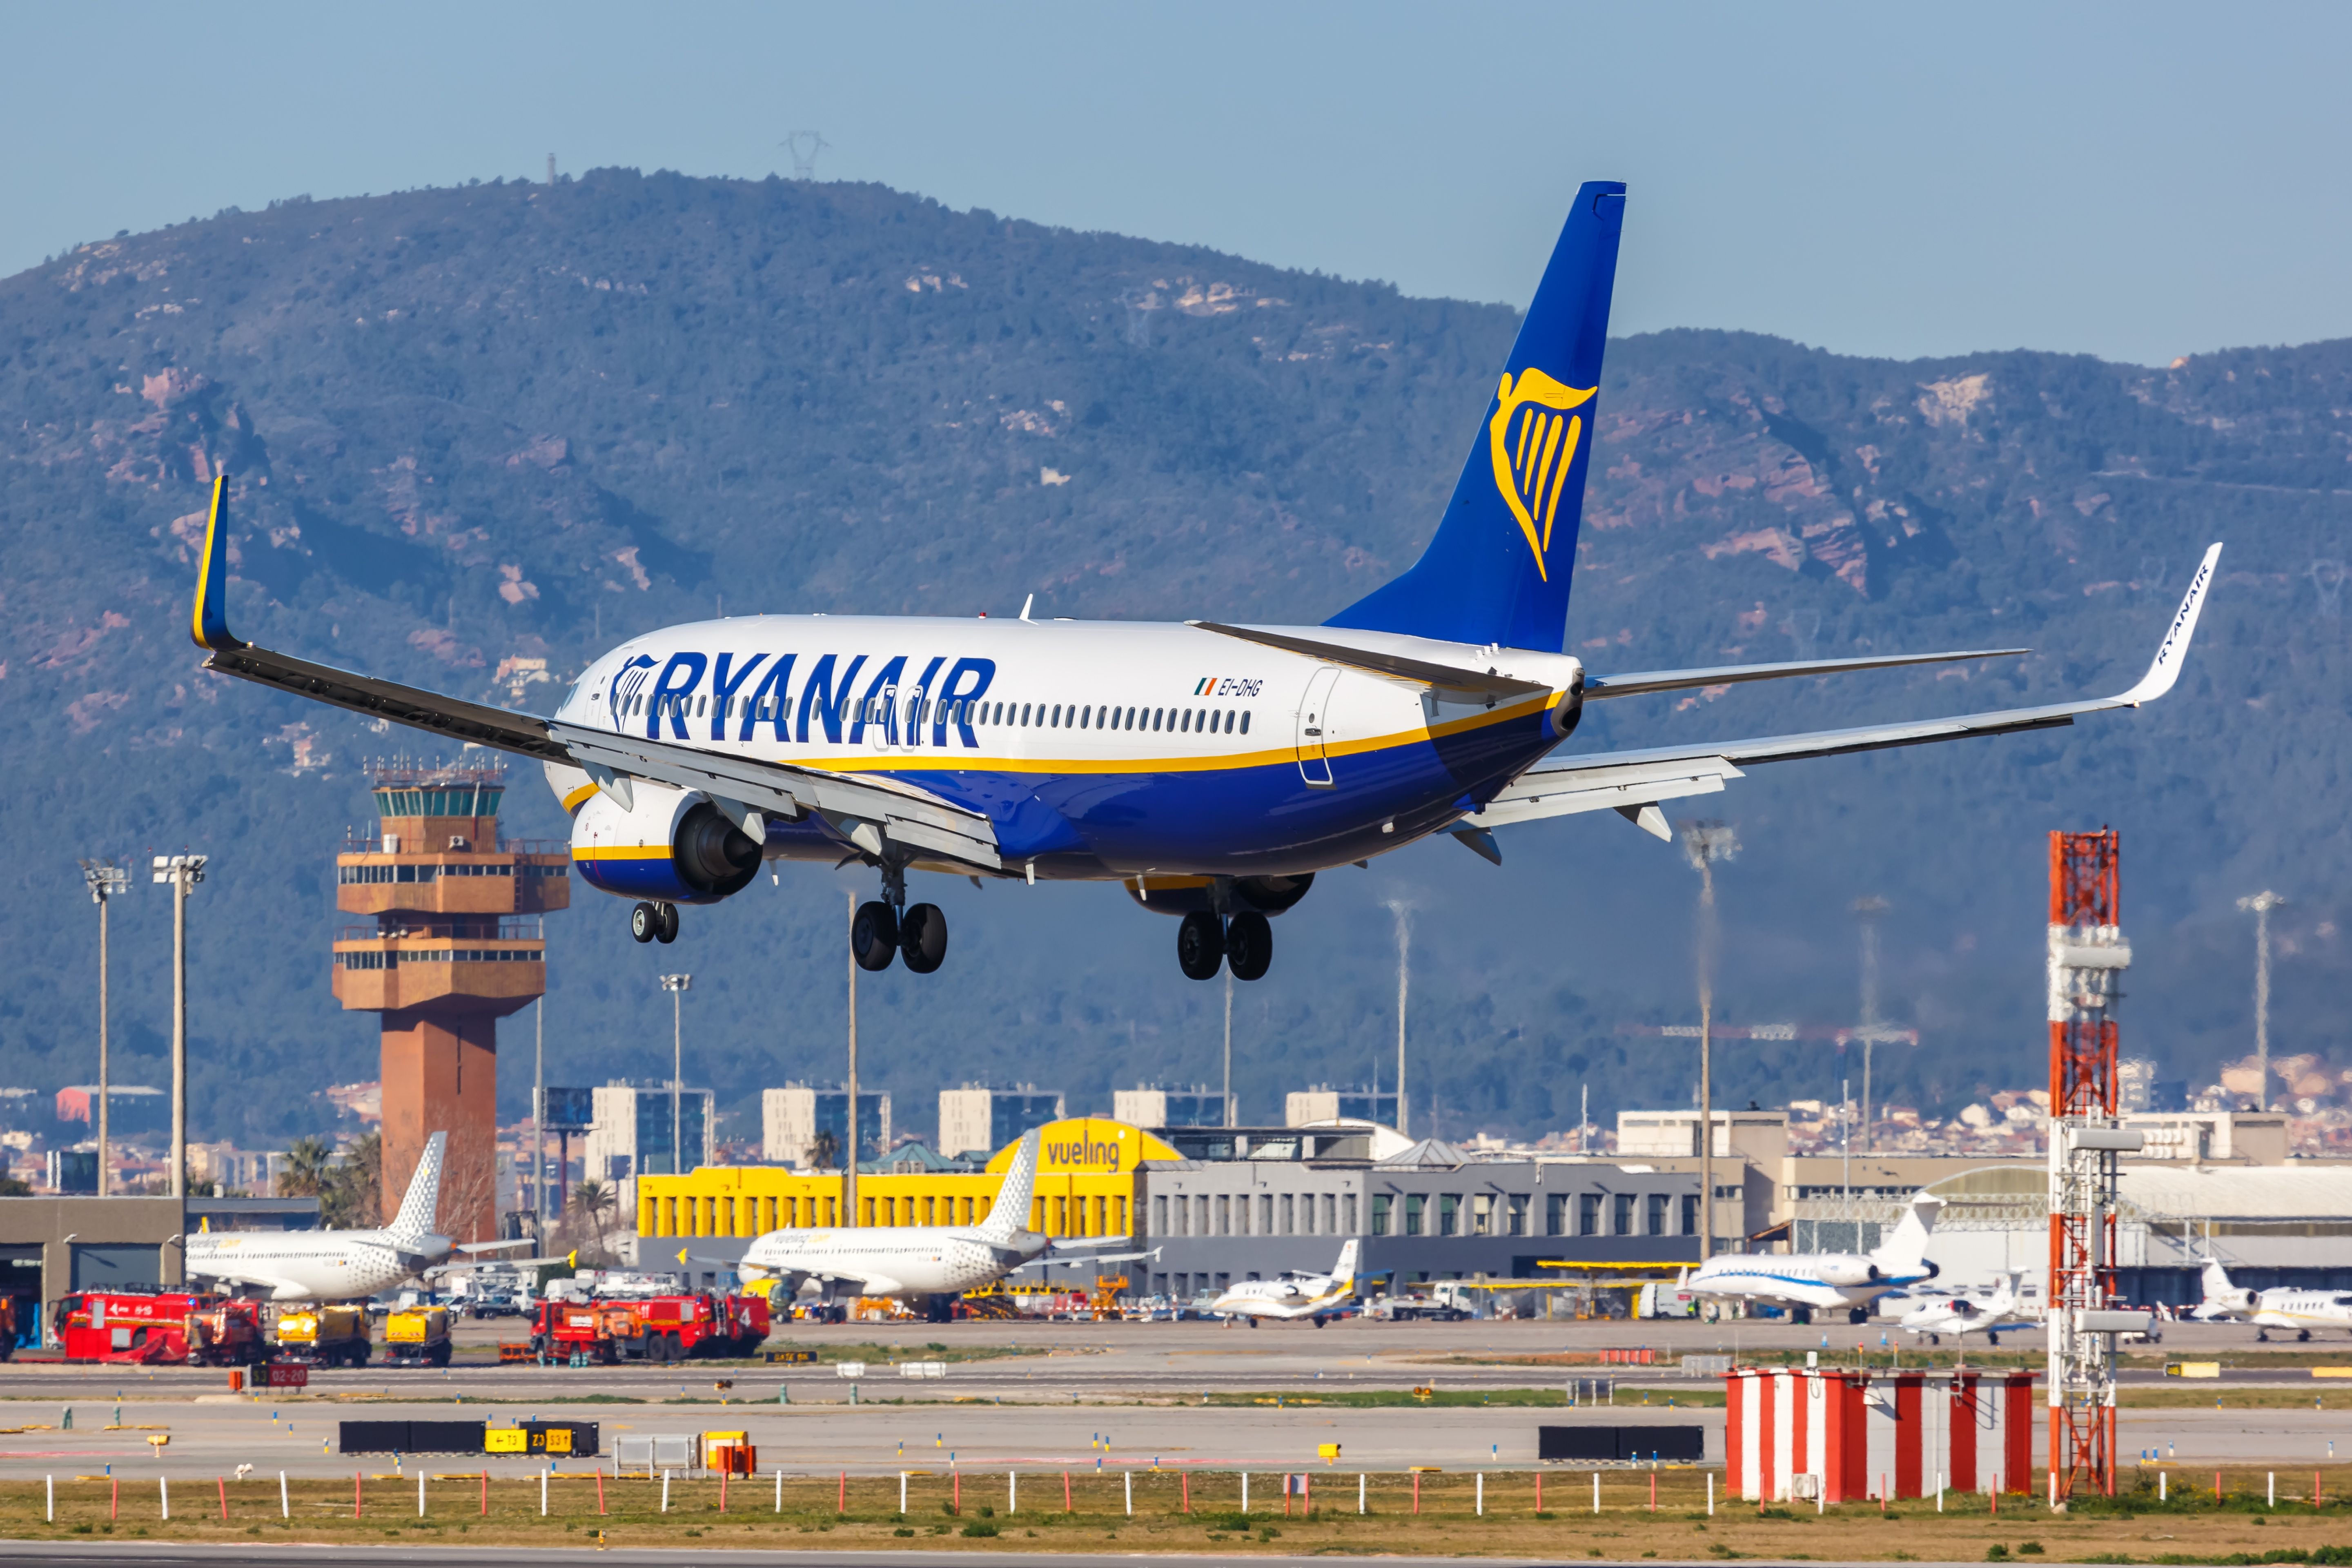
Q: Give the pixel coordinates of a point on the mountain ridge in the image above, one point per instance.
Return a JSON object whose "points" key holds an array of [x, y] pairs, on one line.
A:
{"points": [[474, 426]]}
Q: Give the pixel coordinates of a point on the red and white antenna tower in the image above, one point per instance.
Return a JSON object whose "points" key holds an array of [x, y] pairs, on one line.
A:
{"points": [[2087, 952]]}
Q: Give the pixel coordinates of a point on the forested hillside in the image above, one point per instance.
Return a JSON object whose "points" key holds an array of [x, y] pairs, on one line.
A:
{"points": [[509, 423]]}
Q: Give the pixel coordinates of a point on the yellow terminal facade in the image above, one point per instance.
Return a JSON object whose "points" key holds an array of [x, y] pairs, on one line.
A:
{"points": [[1089, 1172]]}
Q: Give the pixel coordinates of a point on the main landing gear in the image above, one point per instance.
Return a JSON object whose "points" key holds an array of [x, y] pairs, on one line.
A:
{"points": [[653, 923], [1244, 943], [880, 931]]}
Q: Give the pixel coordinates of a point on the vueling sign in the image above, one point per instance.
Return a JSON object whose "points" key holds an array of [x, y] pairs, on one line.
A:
{"points": [[1090, 1146], [1532, 439]]}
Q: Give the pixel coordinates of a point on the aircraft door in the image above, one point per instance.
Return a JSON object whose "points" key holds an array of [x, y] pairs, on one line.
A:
{"points": [[1314, 764], [881, 719]]}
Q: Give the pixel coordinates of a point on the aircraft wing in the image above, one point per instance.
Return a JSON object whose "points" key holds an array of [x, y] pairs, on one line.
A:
{"points": [[851, 801], [1632, 782]]}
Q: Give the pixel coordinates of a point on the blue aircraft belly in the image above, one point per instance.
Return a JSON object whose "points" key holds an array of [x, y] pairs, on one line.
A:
{"points": [[1258, 820]]}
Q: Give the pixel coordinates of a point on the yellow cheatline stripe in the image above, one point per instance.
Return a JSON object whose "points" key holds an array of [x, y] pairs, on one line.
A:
{"points": [[621, 852], [938, 761], [578, 797]]}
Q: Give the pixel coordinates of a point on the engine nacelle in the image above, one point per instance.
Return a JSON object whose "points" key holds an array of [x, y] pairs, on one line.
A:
{"points": [[1846, 1269], [672, 846]]}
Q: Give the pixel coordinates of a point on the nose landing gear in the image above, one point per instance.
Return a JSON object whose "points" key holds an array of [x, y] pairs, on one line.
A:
{"points": [[653, 923], [1245, 943]]}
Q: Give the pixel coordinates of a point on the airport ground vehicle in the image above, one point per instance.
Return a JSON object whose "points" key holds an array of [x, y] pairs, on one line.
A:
{"points": [[664, 1328], [126, 1327], [325, 1336], [227, 1333], [417, 1336]]}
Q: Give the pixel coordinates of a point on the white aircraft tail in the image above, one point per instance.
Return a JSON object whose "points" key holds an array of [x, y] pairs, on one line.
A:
{"points": [[1343, 1273], [1906, 1249], [1010, 1213], [2221, 1296], [422, 1202]]}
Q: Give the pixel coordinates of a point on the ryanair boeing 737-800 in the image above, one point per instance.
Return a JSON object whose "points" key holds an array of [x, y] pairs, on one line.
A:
{"points": [[1212, 769]]}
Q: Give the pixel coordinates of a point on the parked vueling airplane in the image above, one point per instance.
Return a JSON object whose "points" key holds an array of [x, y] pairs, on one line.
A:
{"points": [[1213, 769], [340, 1265], [917, 1259]]}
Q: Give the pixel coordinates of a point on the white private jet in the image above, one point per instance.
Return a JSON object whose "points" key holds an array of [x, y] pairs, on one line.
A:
{"points": [[338, 1264], [1291, 1294], [2280, 1307], [1824, 1281], [1960, 1316], [916, 1259]]}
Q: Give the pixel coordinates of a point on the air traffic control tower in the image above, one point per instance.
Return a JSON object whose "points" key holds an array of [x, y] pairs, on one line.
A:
{"points": [[457, 944]]}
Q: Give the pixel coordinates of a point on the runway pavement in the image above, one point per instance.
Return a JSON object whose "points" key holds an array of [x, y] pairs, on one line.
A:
{"points": [[302, 1439]]}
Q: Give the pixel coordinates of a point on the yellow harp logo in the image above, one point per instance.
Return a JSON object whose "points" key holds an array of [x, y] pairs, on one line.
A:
{"points": [[1533, 438]]}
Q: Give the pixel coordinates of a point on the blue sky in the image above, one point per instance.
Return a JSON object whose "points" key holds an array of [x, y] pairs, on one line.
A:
{"points": [[2133, 181]]}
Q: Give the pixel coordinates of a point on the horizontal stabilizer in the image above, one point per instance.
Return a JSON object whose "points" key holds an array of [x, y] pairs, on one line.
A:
{"points": [[1438, 677]]}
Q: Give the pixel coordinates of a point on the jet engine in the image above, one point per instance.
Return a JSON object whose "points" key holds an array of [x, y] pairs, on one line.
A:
{"points": [[667, 846], [1846, 1268]]}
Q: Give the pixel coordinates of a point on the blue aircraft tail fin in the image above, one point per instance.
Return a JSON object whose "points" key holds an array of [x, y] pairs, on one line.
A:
{"points": [[1498, 570]]}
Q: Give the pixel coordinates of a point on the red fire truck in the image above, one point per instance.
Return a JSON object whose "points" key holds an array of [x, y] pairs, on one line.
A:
{"points": [[652, 1328], [139, 1329], [703, 1324], [227, 1333]]}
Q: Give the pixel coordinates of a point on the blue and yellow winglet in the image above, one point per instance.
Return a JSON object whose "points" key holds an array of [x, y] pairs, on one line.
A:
{"points": [[209, 623]]}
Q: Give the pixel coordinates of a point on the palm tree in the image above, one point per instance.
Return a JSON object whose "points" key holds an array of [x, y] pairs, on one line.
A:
{"points": [[592, 1201], [305, 1175], [824, 1150]]}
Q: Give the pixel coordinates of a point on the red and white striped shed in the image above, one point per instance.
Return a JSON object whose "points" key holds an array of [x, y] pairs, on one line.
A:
{"points": [[1856, 1435], [1782, 1423]]}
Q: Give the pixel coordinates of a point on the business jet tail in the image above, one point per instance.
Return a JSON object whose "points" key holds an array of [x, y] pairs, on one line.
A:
{"points": [[1343, 1273], [422, 1203], [1009, 1215], [1497, 570], [1905, 1251]]}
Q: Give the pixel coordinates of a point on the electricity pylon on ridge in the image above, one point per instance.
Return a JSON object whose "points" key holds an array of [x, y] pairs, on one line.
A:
{"points": [[803, 146]]}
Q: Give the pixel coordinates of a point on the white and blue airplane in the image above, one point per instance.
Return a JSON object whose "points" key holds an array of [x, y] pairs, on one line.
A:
{"points": [[1212, 769], [1810, 1283]]}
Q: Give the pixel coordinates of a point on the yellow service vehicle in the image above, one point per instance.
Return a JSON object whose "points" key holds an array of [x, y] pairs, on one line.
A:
{"points": [[417, 1337], [325, 1336]]}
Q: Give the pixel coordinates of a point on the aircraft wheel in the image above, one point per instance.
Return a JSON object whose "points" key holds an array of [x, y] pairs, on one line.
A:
{"points": [[873, 935], [2302, 1336], [1200, 945], [923, 937], [2262, 1336], [667, 933], [1858, 1315], [1319, 1320], [1249, 945], [644, 922]]}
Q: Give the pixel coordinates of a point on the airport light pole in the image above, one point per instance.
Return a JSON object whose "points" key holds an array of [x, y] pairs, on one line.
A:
{"points": [[105, 879], [2261, 905], [1230, 1121], [676, 984], [849, 1156], [539, 1111], [180, 873], [1402, 910], [1867, 911], [1705, 843]]}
